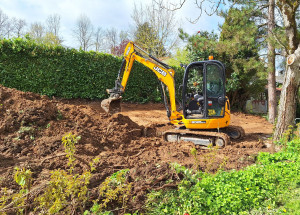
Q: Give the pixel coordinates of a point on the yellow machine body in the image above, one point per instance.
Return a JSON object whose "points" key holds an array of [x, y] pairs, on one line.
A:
{"points": [[208, 121]]}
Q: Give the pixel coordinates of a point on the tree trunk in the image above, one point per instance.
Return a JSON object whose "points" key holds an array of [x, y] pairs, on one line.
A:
{"points": [[287, 106], [288, 98], [272, 103]]}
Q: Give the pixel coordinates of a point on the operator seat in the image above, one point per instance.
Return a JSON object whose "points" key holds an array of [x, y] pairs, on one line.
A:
{"points": [[195, 107]]}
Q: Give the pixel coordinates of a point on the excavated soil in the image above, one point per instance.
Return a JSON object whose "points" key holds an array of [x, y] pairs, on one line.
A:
{"points": [[32, 126]]}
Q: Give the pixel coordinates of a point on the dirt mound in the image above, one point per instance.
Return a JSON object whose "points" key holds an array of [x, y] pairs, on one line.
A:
{"points": [[35, 124], [32, 126], [120, 129]]}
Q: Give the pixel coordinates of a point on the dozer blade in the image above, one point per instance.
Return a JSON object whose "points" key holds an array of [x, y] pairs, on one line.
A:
{"points": [[111, 105]]}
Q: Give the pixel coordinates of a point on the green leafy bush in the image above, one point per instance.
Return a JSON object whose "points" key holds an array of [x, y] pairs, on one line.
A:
{"points": [[69, 73], [66, 191], [235, 192], [115, 189]]}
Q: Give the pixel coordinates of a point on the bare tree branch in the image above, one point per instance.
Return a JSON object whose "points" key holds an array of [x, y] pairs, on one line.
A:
{"points": [[83, 32], [156, 27], [3, 21], [9, 27], [99, 37], [19, 27], [112, 39], [53, 26], [37, 31], [173, 5]]}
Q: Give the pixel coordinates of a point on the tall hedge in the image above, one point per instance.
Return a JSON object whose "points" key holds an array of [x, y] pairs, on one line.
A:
{"points": [[69, 73]]}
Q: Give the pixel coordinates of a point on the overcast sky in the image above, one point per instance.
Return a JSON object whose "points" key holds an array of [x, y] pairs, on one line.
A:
{"points": [[102, 13]]}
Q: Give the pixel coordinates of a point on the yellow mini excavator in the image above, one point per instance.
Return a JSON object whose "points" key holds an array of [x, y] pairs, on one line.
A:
{"points": [[204, 115]]}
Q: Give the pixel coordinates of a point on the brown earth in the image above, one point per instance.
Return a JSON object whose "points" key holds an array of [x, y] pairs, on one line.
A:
{"points": [[32, 126]]}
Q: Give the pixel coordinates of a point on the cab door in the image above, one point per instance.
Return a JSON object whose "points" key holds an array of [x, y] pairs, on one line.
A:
{"points": [[203, 94], [215, 89]]}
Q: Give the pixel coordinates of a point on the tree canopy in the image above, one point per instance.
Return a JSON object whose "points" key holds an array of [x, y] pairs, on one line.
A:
{"points": [[237, 47]]}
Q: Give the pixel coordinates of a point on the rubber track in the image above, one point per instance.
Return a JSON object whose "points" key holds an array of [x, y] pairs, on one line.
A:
{"points": [[200, 134]]}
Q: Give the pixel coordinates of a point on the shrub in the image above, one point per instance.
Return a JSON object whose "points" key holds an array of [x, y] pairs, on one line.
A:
{"points": [[234, 192]]}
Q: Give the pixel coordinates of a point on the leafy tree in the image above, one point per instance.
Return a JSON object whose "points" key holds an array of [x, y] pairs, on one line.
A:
{"points": [[39, 34], [51, 39], [181, 56], [238, 48], [146, 37], [201, 45]]}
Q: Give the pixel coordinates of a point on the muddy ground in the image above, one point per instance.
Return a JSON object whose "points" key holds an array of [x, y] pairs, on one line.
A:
{"points": [[32, 126]]}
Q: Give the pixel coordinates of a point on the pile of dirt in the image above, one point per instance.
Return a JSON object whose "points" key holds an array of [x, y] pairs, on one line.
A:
{"points": [[32, 126]]}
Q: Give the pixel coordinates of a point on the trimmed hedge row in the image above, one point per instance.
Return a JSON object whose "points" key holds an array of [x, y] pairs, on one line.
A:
{"points": [[69, 73]]}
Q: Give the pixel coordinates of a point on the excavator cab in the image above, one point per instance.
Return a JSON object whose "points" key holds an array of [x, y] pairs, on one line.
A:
{"points": [[203, 93]]}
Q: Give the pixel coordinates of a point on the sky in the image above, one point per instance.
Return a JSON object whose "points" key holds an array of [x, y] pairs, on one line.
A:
{"points": [[102, 13]]}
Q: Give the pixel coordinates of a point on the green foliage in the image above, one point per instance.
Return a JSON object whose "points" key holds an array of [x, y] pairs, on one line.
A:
{"points": [[201, 45], [147, 38], [59, 115], [291, 200], [180, 57], [196, 160], [4, 197], [237, 48], [69, 142], [113, 189], [257, 187], [68, 73], [290, 153], [23, 177], [66, 191]]}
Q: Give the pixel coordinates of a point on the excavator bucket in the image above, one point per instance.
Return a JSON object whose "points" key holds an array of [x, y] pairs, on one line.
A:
{"points": [[111, 105]]}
